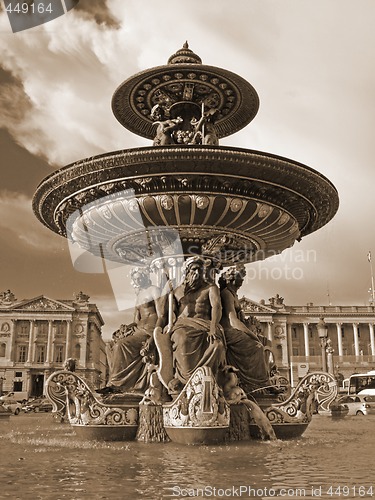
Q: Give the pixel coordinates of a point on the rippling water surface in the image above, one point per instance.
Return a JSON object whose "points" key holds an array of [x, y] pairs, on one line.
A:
{"points": [[42, 459]]}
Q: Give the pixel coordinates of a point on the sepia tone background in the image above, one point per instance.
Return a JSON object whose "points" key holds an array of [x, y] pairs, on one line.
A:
{"points": [[312, 64]]}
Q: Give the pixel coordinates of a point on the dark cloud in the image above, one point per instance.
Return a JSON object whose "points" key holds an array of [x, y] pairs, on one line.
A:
{"points": [[20, 170], [13, 103], [6, 76], [97, 10]]}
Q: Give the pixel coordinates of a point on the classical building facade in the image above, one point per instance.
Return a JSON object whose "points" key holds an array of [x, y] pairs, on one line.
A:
{"points": [[294, 335], [37, 335]]}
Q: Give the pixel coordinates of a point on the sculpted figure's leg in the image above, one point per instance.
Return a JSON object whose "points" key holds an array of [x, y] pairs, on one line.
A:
{"points": [[164, 347]]}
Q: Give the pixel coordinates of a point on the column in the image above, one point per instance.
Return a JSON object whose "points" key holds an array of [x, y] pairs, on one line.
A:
{"points": [[13, 335], [356, 342], [339, 338], [30, 354], [49, 342], [83, 349], [68, 346], [83, 346], [372, 339], [306, 339], [289, 353], [289, 344], [269, 331]]}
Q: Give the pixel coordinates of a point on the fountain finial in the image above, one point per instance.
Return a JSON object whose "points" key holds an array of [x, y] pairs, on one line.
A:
{"points": [[184, 55]]}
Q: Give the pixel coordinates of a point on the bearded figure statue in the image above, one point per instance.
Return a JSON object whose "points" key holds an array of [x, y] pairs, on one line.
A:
{"points": [[197, 338]]}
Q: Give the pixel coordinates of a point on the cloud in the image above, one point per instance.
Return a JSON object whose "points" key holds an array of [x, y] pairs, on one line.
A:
{"points": [[18, 118], [65, 73], [18, 222], [98, 11]]}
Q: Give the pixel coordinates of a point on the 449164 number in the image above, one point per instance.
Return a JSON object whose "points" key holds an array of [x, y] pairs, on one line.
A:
{"points": [[352, 491], [26, 8]]}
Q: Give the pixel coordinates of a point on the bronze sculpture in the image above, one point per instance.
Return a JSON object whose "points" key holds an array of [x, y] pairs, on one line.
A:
{"points": [[196, 336], [244, 350], [185, 198], [131, 343]]}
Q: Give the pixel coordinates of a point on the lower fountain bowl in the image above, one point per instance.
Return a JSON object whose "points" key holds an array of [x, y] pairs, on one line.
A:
{"points": [[282, 431], [106, 432], [194, 435]]}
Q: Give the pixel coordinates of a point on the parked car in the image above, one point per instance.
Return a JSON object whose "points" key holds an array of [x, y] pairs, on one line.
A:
{"points": [[359, 404], [36, 405], [14, 406], [8, 395], [20, 396]]}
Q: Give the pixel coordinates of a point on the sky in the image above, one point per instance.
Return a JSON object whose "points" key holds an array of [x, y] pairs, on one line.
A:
{"points": [[312, 63]]}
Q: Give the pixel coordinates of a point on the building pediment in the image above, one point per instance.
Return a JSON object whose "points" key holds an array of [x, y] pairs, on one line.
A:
{"points": [[249, 305], [42, 303]]}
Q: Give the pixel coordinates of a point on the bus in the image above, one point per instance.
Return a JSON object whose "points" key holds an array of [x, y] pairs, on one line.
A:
{"points": [[360, 383]]}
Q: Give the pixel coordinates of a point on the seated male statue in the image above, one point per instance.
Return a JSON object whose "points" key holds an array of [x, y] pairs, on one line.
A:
{"points": [[196, 337]]}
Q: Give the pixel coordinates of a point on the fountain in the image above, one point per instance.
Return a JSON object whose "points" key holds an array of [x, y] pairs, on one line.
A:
{"points": [[182, 210]]}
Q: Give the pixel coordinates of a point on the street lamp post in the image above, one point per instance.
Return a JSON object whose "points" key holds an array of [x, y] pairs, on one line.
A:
{"points": [[323, 336], [330, 351]]}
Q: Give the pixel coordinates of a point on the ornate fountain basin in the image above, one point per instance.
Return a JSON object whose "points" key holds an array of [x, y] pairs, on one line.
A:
{"points": [[198, 415], [134, 205]]}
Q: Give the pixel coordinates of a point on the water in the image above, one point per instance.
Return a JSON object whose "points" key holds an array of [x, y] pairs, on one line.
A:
{"points": [[42, 459]]}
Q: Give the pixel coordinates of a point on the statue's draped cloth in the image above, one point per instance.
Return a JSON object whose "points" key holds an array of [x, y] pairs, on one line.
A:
{"points": [[247, 355], [192, 347], [126, 367]]}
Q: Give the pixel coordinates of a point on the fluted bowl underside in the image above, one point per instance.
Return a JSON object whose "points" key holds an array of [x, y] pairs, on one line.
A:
{"points": [[139, 204]]}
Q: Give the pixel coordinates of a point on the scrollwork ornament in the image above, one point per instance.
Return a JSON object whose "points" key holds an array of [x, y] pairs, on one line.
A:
{"points": [[88, 410], [189, 409], [298, 408]]}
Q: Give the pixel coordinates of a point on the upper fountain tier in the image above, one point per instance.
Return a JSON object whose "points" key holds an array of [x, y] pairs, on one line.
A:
{"points": [[185, 86], [185, 194]]}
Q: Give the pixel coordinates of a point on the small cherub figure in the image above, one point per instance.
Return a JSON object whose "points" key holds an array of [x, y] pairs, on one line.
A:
{"points": [[232, 391], [166, 127]]}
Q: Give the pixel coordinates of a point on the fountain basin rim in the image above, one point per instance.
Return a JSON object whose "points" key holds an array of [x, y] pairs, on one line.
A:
{"points": [[210, 171], [182, 148]]}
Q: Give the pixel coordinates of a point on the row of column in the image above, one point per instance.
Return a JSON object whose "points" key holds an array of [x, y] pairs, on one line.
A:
{"points": [[339, 339], [306, 335], [50, 342]]}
